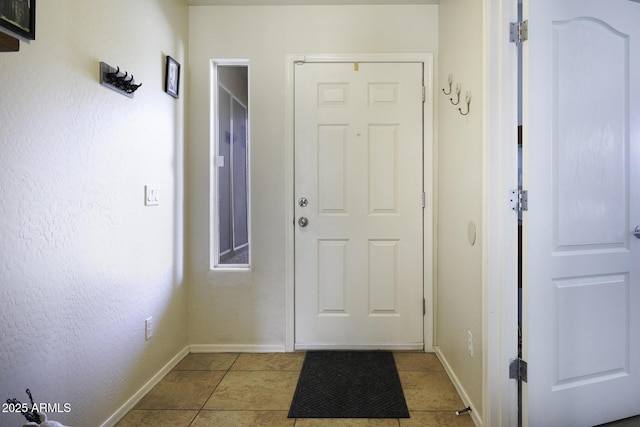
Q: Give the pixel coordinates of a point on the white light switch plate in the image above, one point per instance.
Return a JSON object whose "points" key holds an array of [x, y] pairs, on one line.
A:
{"points": [[150, 196]]}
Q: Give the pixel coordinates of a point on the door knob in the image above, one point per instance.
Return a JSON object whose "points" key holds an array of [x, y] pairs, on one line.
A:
{"points": [[303, 221], [303, 201], [636, 232]]}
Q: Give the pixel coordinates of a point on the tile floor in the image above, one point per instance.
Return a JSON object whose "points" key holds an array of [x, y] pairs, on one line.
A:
{"points": [[232, 389]]}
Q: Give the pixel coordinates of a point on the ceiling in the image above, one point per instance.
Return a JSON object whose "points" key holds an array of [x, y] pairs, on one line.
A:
{"points": [[302, 2]]}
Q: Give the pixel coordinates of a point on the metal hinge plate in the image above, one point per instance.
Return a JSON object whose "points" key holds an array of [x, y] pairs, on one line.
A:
{"points": [[519, 200], [424, 306], [518, 370], [519, 32]]}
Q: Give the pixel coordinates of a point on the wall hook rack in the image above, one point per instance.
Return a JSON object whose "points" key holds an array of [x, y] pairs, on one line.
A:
{"points": [[450, 81], [458, 88], [468, 101], [121, 82]]}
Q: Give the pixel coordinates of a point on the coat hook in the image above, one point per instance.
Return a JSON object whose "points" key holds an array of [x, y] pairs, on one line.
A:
{"points": [[112, 76], [450, 81], [468, 101], [120, 82], [133, 88], [458, 87]]}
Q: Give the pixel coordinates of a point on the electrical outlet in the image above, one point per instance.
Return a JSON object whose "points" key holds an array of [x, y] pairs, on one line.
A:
{"points": [[148, 328], [470, 343]]}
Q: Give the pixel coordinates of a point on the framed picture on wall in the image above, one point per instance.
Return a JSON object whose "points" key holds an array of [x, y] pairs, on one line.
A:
{"points": [[19, 17], [172, 77]]}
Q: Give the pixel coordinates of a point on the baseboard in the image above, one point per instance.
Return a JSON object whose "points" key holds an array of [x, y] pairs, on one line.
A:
{"points": [[129, 404], [236, 348], [461, 391]]}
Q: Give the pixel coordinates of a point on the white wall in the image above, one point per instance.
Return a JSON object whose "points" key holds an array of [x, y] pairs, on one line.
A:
{"points": [[248, 308], [82, 261], [460, 196]]}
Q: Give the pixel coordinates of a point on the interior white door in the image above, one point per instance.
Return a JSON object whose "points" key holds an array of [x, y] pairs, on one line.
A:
{"points": [[358, 204], [582, 170]]}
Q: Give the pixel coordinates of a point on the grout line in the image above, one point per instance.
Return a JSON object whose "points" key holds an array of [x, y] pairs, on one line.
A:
{"points": [[226, 371]]}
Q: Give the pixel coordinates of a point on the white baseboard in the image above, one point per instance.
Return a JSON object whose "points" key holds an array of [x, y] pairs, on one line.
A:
{"points": [[236, 348], [461, 391], [129, 404]]}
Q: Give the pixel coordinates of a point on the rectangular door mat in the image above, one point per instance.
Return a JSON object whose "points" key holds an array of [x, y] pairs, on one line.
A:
{"points": [[349, 384]]}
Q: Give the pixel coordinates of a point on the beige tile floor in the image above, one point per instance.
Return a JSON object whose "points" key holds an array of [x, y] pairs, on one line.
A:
{"points": [[256, 390]]}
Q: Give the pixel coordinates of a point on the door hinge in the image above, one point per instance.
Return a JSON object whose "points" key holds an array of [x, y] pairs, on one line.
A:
{"points": [[424, 200], [519, 200], [518, 370], [424, 306], [424, 93], [519, 32]]}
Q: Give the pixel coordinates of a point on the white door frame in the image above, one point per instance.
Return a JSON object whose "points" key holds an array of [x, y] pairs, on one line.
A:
{"points": [[429, 133], [500, 251]]}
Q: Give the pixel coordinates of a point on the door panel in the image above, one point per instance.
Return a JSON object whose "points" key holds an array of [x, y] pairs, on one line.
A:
{"points": [[582, 262], [358, 163]]}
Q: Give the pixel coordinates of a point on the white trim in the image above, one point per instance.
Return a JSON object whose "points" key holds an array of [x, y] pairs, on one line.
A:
{"points": [[289, 122], [500, 294], [458, 386], [214, 223], [236, 348], [133, 400], [429, 132], [365, 57], [428, 216]]}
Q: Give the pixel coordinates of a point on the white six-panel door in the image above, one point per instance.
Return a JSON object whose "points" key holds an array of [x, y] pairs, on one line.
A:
{"points": [[358, 205], [582, 170]]}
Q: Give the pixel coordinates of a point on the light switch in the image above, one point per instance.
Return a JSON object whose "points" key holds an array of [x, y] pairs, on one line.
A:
{"points": [[150, 196]]}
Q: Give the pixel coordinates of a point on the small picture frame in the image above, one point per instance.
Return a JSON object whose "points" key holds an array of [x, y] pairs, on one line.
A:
{"points": [[19, 17], [172, 78]]}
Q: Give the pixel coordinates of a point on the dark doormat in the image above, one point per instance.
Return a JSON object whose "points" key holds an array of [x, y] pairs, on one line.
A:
{"points": [[349, 384]]}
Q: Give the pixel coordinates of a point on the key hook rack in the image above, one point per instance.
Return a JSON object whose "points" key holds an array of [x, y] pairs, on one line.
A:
{"points": [[119, 81], [456, 93]]}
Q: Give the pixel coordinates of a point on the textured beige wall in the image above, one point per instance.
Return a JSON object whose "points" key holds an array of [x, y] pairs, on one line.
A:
{"points": [[82, 261], [460, 194], [248, 308]]}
